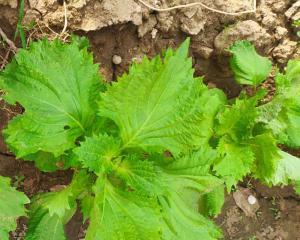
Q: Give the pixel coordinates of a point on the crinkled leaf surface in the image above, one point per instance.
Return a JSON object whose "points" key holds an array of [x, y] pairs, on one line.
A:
{"points": [[43, 226], [196, 163], [57, 203], [11, 207], [181, 219], [212, 202], [58, 85], [266, 154], [249, 67], [234, 161], [237, 121], [282, 115], [135, 200], [97, 152], [287, 171], [141, 176], [121, 215], [159, 105], [51, 211], [291, 78]]}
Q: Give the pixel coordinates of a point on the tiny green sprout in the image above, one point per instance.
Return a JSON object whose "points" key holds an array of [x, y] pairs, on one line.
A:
{"points": [[296, 24]]}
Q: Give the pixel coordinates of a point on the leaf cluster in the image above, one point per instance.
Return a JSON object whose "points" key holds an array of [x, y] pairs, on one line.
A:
{"points": [[151, 152]]}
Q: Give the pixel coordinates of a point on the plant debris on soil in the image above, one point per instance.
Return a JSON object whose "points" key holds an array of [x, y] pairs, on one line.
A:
{"points": [[123, 31]]}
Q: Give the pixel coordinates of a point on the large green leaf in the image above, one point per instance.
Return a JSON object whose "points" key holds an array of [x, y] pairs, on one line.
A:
{"points": [[159, 105], [43, 226], [139, 200], [58, 85], [249, 67], [122, 215], [181, 218], [266, 155], [11, 207]]}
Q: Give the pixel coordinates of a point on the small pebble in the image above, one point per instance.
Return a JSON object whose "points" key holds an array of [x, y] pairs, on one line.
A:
{"points": [[252, 200], [117, 59], [154, 33]]}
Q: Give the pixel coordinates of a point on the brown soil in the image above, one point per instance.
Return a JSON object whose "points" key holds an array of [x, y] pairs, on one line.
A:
{"points": [[131, 35]]}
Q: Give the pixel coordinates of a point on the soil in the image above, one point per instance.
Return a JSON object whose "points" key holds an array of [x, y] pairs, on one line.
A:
{"points": [[126, 30]]}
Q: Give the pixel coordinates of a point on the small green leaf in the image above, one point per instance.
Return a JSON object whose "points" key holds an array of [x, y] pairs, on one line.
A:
{"points": [[234, 161], [51, 211], [86, 206], [97, 152], [249, 68], [211, 203], [141, 176], [11, 207], [282, 115], [287, 170], [238, 120]]}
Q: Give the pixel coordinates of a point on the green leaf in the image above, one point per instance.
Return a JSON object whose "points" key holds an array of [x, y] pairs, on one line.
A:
{"points": [[266, 155], [119, 215], [273, 118], [211, 203], [11, 207], [164, 104], [43, 226], [287, 171], [234, 161], [58, 85], [97, 152], [81, 42], [181, 219], [196, 163], [58, 203], [291, 77], [237, 121], [86, 206], [249, 68], [51, 211], [282, 115], [141, 176]]}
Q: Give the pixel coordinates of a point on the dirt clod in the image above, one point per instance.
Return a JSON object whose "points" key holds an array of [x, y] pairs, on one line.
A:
{"points": [[241, 198], [249, 30]]}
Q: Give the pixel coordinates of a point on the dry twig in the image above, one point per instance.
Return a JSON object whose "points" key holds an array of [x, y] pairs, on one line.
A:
{"points": [[198, 4], [66, 19], [8, 41]]}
